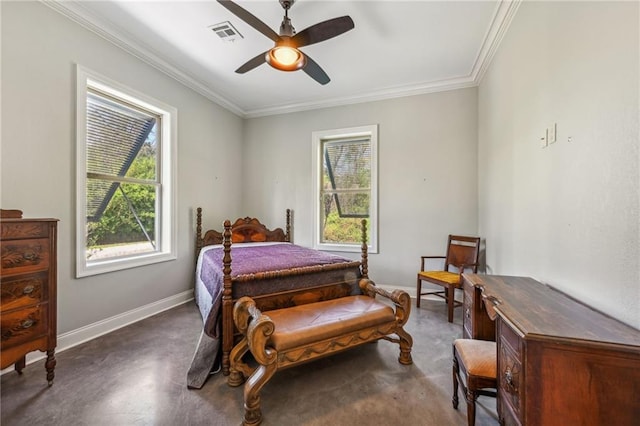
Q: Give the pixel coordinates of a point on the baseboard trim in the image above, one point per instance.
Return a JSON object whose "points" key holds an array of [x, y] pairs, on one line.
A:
{"points": [[89, 332], [410, 290], [412, 293]]}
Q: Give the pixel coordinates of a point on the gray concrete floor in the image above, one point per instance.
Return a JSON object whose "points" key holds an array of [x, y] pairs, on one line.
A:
{"points": [[137, 376]]}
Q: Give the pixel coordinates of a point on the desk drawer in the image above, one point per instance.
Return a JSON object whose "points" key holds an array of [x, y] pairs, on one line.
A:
{"points": [[467, 311], [510, 338], [21, 256], [23, 325], [23, 290], [510, 372]]}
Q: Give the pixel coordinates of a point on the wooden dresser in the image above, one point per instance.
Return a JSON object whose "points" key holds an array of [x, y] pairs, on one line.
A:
{"points": [[28, 288], [559, 361]]}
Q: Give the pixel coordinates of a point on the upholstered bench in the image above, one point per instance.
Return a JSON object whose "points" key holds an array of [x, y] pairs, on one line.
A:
{"points": [[287, 337]]}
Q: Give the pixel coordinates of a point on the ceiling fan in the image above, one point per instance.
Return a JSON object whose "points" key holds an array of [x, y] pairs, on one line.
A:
{"points": [[285, 55]]}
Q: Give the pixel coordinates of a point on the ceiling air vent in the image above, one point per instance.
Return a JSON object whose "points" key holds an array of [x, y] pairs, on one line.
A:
{"points": [[226, 31]]}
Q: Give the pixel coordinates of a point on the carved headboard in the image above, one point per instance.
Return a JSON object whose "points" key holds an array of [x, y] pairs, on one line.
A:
{"points": [[243, 230]]}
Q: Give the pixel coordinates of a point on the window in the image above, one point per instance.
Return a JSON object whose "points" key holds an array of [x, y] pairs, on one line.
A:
{"points": [[346, 180], [125, 177]]}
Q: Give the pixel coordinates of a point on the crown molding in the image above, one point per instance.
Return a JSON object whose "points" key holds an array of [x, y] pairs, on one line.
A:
{"points": [[505, 10], [74, 11], [379, 95]]}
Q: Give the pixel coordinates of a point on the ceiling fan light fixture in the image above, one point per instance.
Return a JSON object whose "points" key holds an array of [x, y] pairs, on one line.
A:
{"points": [[286, 58], [285, 55]]}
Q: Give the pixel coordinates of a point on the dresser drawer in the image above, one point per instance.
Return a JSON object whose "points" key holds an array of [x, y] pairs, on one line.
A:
{"points": [[23, 325], [21, 256], [23, 229], [23, 290]]}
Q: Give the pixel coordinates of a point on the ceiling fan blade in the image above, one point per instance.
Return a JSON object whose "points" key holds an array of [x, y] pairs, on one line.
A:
{"points": [[253, 63], [323, 31], [314, 71], [250, 19]]}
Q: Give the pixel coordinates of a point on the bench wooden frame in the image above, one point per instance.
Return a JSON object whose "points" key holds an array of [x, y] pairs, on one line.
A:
{"points": [[256, 329]]}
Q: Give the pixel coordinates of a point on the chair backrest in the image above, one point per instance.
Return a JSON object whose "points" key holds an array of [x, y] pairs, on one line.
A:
{"points": [[463, 251]]}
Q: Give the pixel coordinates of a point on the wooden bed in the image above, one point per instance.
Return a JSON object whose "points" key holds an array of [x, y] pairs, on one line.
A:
{"points": [[274, 289]]}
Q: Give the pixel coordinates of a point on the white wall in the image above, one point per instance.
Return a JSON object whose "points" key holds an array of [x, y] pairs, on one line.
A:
{"points": [[567, 214], [39, 51], [427, 174]]}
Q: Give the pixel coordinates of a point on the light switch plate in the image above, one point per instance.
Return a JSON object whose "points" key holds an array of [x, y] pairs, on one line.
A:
{"points": [[551, 133], [544, 139]]}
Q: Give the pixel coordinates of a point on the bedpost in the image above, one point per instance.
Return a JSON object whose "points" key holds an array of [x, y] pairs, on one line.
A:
{"points": [[227, 301], [198, 231], [288, 229], [364, 262]]}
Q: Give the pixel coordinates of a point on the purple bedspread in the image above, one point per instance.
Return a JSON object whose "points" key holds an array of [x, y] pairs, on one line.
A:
{"points": [[251, 259]]}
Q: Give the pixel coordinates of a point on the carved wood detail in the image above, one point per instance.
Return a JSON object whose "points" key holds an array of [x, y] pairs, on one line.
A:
{"points": [[287, 300], [20, 255], [244, 230], [24, 230], [330, 346], [13, 292], [15, 327]]}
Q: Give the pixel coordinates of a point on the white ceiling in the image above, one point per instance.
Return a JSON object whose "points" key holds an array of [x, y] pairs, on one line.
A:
{"points": [[397, 48]]}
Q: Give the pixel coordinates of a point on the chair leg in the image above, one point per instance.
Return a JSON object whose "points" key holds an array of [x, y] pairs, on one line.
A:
{"points": [[471, 407], [450, 291], [418, 291]]}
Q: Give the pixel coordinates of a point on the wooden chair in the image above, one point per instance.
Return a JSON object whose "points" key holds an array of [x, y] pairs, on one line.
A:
{"points": [[463, 254], [477, 361]]}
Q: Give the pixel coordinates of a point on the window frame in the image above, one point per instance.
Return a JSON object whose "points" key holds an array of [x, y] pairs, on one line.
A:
{"points": [[166, 221], [318, 138]]}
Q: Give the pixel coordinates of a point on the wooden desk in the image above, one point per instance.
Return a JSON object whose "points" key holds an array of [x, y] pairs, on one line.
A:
{"points": [[559, 361]]}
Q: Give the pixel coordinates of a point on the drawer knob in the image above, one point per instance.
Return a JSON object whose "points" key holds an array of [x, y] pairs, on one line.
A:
{"points": [[508, 377], [28, 289], [30, 256], [27, 323], [467, 313]]}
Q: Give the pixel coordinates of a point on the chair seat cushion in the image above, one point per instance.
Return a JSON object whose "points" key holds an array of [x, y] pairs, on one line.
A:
{"points": [[442, 276], [302, 324], [478, 356]]}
